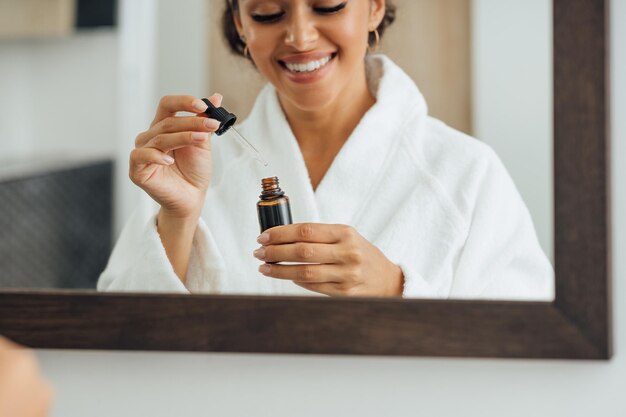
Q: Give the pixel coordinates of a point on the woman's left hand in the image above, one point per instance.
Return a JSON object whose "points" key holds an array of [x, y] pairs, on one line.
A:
{"points": [[339, 261]]}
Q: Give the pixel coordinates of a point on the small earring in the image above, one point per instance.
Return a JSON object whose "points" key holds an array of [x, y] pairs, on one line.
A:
{"points": [[246, 52], [376, 43]]}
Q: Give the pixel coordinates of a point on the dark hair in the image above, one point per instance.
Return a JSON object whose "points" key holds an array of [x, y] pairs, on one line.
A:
{"points": [[237, 46]]}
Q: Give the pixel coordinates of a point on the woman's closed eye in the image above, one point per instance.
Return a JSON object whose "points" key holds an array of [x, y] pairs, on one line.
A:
{"points": [[270, 18], [267, 18], [330, 10]]}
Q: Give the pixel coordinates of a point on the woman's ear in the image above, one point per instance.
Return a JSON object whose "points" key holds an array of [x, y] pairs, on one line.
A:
{"points": [[237, 22], [377, 13]]}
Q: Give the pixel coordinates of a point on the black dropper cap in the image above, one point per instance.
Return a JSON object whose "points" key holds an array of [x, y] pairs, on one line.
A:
{"points": [[226, 119]]}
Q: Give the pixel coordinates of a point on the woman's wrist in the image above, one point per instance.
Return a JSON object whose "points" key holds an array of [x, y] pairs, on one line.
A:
{"points": [[176, 235], [166, 218], [396, 282]]}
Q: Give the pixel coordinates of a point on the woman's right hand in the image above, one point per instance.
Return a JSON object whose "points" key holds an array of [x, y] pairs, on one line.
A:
{"points": [[172, 159]]}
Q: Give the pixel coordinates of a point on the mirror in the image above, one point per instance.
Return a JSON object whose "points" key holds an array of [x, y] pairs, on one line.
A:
{"points": [[489, 75], [575, 325]]}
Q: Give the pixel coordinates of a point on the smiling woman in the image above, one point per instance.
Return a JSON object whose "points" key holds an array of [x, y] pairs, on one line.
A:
{"points": [[302, 34], [386, 200]]}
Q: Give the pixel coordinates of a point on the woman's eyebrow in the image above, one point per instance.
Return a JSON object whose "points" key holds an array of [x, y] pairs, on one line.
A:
{"points": [[255, 3], [260, 2]]}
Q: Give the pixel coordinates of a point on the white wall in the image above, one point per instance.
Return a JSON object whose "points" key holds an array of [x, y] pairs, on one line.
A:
{"points": [[162, 51], [512, 98], [56, 97], [165, 384]]}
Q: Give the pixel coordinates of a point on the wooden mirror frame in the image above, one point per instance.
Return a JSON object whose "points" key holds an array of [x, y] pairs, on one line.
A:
{"points": [[576, 325]]}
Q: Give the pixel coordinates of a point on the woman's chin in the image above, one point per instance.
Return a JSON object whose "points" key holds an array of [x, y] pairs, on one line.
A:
{"points": [[311, 101]]}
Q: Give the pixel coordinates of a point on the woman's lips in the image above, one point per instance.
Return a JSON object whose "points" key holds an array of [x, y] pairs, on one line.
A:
{"points": [[303, 58], [308, 77]]}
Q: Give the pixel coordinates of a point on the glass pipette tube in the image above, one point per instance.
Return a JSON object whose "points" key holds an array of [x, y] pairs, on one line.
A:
{"points": [[244, 142], [227, 120]]}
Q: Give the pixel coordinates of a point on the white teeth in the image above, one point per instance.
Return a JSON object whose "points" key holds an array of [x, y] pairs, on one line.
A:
{"points": [[309, 66]]}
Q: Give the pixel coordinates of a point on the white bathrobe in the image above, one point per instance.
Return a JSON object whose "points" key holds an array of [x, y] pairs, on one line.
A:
{"points": [[435, 201]]}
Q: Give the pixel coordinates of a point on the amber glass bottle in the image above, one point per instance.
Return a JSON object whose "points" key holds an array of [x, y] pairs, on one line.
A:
{"points": [[273, 206]]}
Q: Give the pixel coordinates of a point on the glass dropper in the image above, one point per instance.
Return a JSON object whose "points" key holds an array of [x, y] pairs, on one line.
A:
{"points": [[243, 141], [227, 120]]}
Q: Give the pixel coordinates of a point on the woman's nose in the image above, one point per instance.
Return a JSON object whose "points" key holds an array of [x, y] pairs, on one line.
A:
{"points": [[301, 31]]}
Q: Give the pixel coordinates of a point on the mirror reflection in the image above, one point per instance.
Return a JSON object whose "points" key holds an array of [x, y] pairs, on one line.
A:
{"points": [[380, 149]]}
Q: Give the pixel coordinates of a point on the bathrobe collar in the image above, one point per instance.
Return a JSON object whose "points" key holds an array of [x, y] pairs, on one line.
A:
{"points": [[342, 194]]}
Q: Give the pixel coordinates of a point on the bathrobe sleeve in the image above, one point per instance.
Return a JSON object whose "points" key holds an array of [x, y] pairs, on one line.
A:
{"points": [[501, 257], [139, 262]]}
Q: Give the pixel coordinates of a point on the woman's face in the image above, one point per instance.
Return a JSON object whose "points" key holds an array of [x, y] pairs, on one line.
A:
{"points": [[310, 50]]}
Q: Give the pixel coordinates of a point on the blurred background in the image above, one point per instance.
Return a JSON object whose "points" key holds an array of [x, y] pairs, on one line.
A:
{"points": [[81, 78]]}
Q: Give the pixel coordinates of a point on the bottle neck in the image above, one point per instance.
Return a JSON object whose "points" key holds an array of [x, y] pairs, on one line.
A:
{"points": [[272, 195], [271, 189]]}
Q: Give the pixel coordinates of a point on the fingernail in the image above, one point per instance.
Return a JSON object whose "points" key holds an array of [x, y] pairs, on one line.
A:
{"points": [[199, 105], [264, 269], [259, 253], [211, 123], [168, 159], [199, 136], [263, 238]]}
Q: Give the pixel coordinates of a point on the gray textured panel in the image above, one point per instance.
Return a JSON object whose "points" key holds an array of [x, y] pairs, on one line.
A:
{"points": [[55, 228]]}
